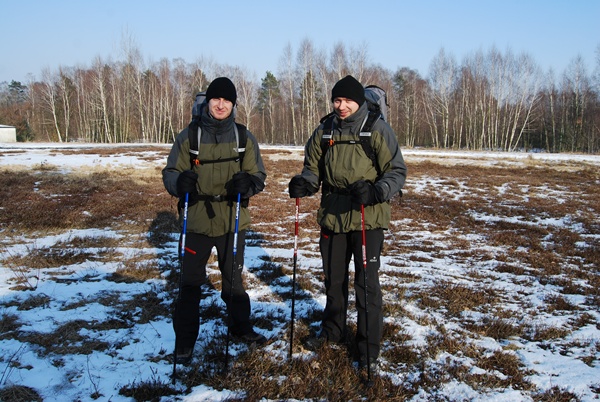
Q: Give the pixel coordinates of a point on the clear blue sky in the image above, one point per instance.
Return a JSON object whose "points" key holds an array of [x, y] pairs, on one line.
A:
{"points": [[38, 34]]}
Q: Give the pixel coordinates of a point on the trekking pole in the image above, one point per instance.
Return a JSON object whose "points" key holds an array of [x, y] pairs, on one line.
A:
{"points": [[364, 258], [294, 277], [181, 254], [233, 269]]}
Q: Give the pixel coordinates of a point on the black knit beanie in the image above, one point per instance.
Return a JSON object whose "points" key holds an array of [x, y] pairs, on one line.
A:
{"points": [[221, 87], [349, 87]]}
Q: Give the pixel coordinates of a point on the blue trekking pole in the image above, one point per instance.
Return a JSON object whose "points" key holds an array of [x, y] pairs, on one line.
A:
{"points": [[294, 277], [235, 237], [181, 255]]}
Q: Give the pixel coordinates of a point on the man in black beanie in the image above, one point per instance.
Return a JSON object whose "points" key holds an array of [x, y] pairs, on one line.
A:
{"points": [[213, 186], [351, 183], [221, 97]]}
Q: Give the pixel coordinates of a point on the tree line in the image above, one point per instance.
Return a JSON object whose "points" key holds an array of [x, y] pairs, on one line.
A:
{"points": [[490, 100]]}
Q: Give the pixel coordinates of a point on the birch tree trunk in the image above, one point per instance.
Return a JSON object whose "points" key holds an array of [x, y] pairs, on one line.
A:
{"points": [[287, 73], [49, 100]]}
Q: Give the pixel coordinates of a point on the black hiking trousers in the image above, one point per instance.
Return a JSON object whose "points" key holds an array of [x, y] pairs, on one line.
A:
{"points": [[186, 319], [336, 252]]}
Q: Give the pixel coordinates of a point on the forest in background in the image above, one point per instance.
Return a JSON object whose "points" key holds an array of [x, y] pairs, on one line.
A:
{"points": [[489, 100]]}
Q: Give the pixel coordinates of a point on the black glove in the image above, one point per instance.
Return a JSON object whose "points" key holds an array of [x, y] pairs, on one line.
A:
{"points": [[299, 187], [186, 183], [240, 184], [364, 192]]}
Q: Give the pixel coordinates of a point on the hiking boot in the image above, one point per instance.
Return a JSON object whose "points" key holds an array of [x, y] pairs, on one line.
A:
{"points": [[373, 365], [317, 342], [184, 356], [252, 337]]}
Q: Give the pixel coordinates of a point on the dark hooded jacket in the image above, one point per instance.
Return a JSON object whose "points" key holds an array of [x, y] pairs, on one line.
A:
{"points": [[344, 164], [217, 141]]}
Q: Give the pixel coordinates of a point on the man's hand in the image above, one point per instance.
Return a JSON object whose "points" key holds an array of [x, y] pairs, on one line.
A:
{"points": [[299, 187], [240, 183], [186, 183], [364, 192]]}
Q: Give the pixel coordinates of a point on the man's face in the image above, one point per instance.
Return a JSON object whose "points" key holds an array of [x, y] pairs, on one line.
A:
{"points": [[344, 107], [220, 108]]}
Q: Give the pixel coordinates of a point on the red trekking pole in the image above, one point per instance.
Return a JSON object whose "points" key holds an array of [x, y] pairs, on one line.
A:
{"points": [[364, 258]]}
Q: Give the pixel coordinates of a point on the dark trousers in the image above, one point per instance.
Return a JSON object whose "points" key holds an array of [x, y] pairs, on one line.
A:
{"points": [[186, 319], [336, 251]]}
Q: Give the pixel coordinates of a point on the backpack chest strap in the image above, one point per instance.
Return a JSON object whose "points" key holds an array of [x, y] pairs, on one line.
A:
{"points": [[195, 153]]}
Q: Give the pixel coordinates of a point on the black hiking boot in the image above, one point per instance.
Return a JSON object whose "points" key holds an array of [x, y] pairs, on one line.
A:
{"points": [[317, 342], [373, 365], [251, 338], [184, 356]]}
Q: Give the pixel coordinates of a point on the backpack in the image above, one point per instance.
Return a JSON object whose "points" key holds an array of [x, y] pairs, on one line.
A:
{"points": [[376, 99], [195, 132]]}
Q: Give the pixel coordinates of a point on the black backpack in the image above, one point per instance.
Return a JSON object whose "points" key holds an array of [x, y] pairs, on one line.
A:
{"points": [[195, 132], [376, 99]]}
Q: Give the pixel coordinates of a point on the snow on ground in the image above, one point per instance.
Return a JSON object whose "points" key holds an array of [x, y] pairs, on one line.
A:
{"points": [[78, 376], [41, 153]]}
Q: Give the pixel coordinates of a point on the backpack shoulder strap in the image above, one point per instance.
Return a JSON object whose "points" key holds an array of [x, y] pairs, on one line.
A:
{"points": [[365, 138], [326, 139], [242, 140], [194, 133]]}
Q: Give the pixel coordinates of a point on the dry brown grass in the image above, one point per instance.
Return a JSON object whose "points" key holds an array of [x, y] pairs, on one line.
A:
{"points": [[460, 236], [19, 393], [9, 324], [66, 339], [97, 200]]}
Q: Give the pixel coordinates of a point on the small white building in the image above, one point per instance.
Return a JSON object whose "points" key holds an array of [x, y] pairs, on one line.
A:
{"points": [[8, 133]]}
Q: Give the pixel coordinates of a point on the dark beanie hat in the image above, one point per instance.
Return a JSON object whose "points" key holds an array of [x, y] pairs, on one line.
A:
{"points": [[221, 87], [349, 87]]}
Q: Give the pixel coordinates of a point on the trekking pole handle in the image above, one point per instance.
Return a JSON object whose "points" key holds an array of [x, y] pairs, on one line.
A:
{"points": [[184, 230]]}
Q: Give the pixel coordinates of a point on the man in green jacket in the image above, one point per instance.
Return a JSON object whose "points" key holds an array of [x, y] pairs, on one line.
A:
{"points": [[349, 179], [213, 185]]}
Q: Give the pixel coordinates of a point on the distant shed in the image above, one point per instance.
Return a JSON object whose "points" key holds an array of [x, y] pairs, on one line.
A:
{"points": [[8, 133]]}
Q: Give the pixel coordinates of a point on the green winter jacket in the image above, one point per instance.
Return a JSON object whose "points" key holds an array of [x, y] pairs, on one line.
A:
{"points": [[344, 164], [217, 141]]}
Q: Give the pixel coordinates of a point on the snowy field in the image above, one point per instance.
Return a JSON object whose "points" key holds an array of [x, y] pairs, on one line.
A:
{"points": [[518, 302]]}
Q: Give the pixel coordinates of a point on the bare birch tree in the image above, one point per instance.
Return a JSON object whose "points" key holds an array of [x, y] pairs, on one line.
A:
{"points": [[408, 91], [247, 91], [308, 90], [288, 79], [49, 100], [339, 61], [576, 87], [525, 81], [442, 79], [183, 92], [358, 63]]}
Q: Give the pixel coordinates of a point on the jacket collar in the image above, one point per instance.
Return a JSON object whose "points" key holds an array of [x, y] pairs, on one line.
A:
{"points": [[215, 126], [355, 119]]}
